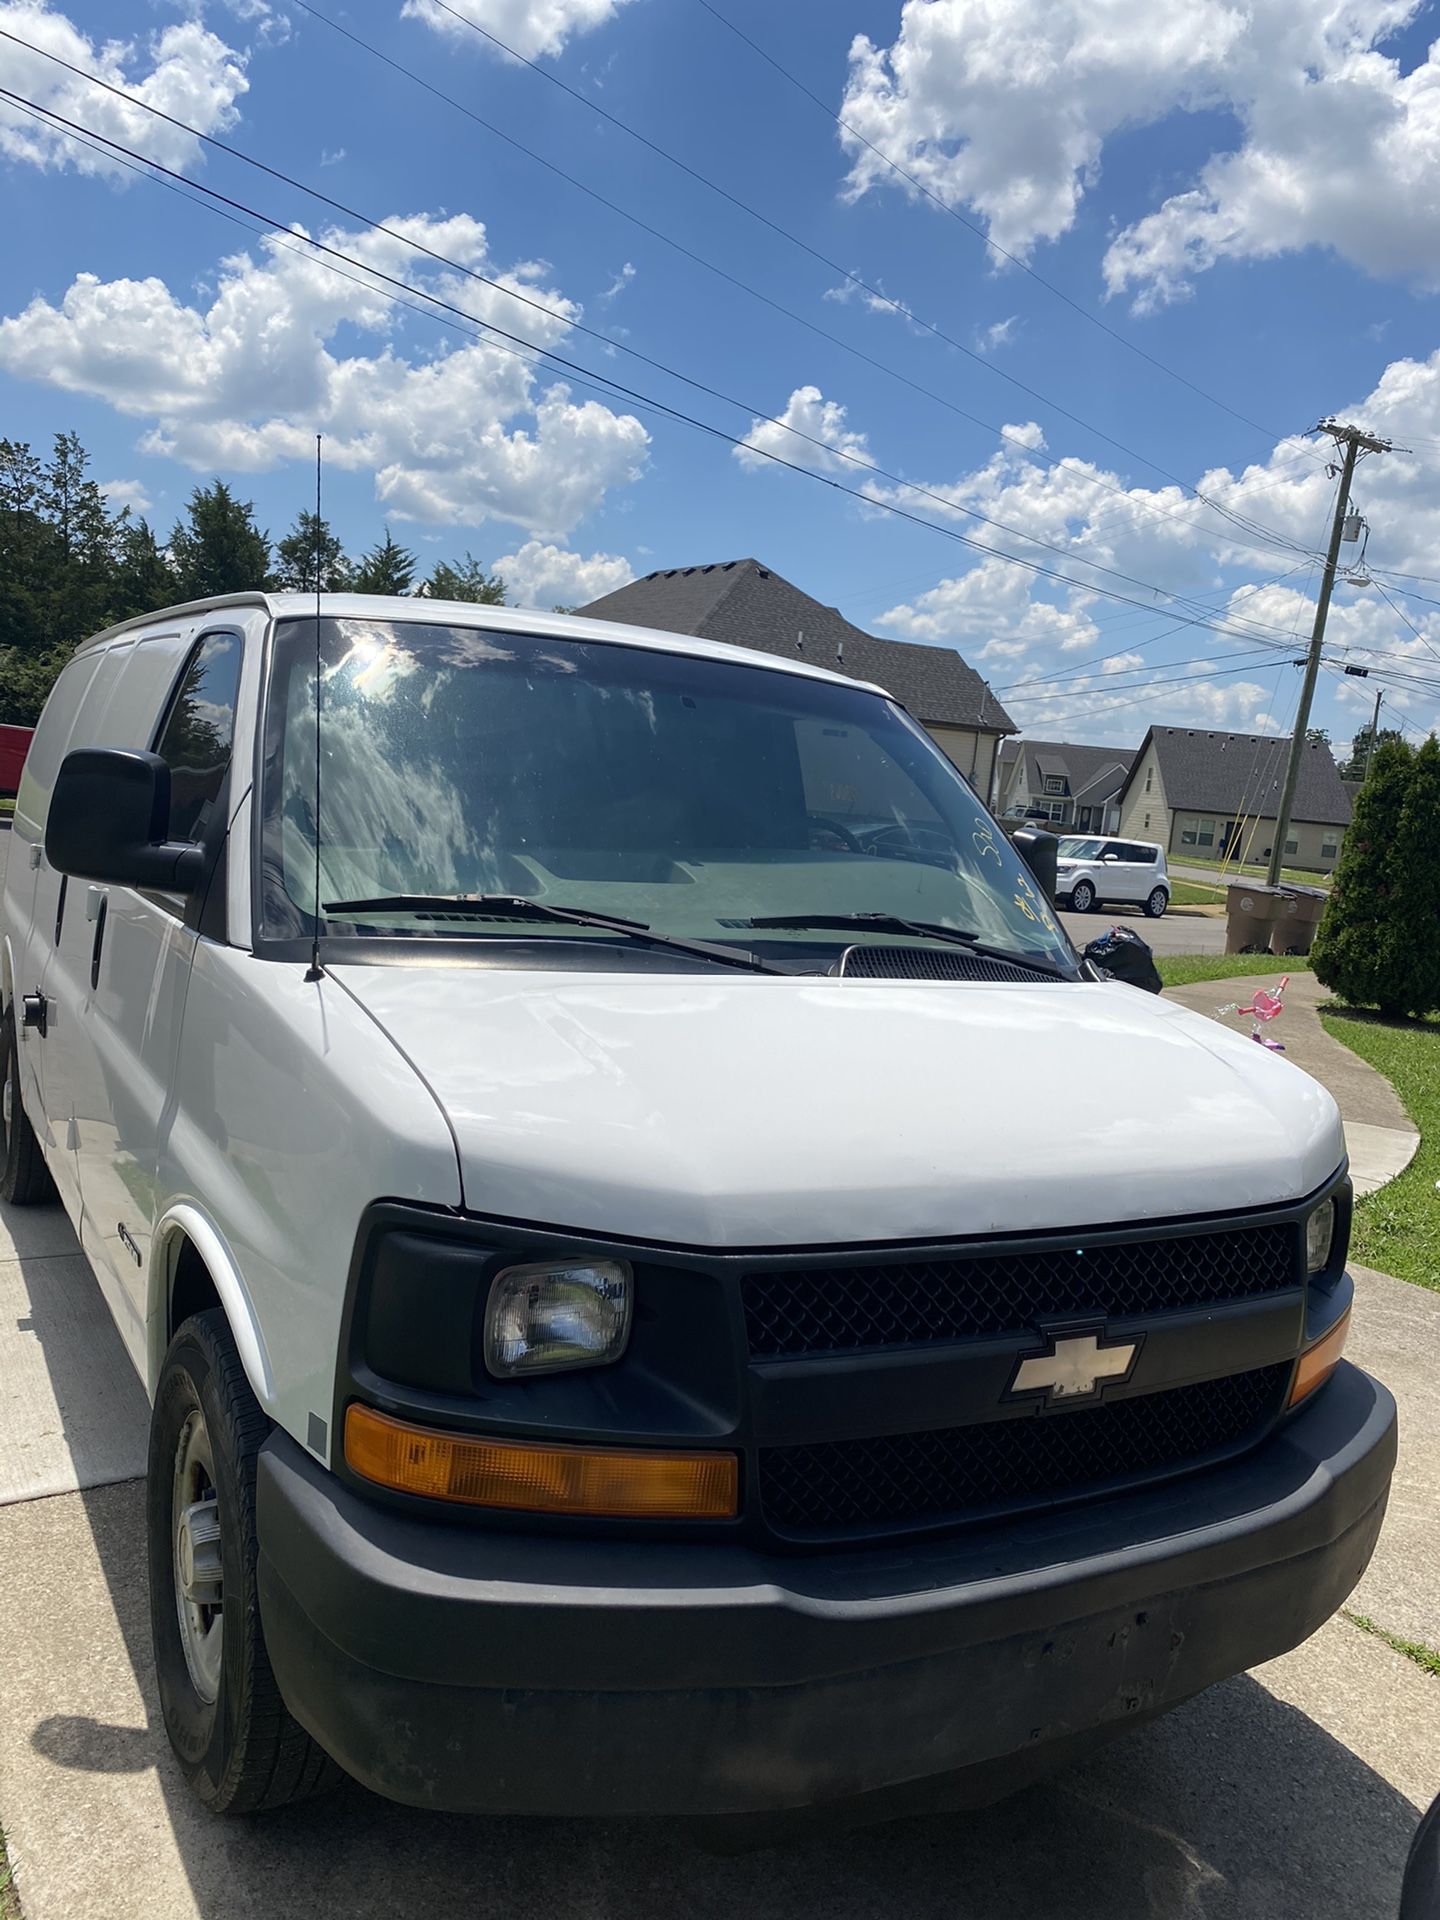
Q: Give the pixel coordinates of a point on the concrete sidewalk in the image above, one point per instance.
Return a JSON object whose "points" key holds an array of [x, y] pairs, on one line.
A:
{"points": [[1379, 1134]]}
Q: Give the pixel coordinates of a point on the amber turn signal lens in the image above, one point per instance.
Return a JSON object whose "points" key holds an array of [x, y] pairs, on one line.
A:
{"points": [[524, 1476], [1319, 1361]]}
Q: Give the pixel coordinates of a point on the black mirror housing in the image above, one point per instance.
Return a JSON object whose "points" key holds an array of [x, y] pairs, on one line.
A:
{"points": [[1040, 852], [107, 821]]}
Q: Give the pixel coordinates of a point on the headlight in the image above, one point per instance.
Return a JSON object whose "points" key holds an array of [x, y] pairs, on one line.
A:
{"points": [[552, 1317], [1319, 1233]]}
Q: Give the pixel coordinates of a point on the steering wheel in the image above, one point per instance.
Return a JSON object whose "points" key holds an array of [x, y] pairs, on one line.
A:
{"points": [[925, 844], [821, 826]]}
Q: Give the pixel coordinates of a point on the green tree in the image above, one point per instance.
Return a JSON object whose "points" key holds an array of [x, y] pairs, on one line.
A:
{"points": [[388, 568], [1354, 767], [27, 555], [466, 580], [1317, 736], [1412, 936], [143, 578], [84, 535], [218, 548], [309, 548], [1355, 949], [25, 683]]}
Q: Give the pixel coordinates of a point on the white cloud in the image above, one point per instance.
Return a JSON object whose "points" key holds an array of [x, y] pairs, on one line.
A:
{"points": [[541, 575], [992, 607], [120, 494], [531, 27], [186, 72], [999, 334], [806, 412], [1007, 107], [618, 285], [459, 436], [331, 156]]}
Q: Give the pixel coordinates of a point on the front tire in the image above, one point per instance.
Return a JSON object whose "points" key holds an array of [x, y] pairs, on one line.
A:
{"points": [[1082, 897], [236, 1743], [24, 1177], [1156, 904]]}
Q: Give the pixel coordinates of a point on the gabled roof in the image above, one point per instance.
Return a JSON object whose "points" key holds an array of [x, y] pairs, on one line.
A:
{"points": [[1097, 773], [1242, 774], [743, 604]]}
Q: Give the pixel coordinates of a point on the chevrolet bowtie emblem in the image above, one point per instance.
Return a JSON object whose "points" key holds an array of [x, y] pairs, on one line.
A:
{"points": [[1073, 1367]]}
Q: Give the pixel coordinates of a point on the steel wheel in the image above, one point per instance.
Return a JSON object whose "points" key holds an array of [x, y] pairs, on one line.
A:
{"points": [[199, 1574]]}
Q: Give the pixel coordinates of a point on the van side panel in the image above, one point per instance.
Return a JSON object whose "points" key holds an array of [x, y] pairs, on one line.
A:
{"points": [[291, 1113]]}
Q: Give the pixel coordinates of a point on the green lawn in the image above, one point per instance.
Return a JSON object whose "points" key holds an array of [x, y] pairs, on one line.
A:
{"points": [[9, 1903], [1252, 870], [1398, 1228], [1183, 969], [1194, 893]]}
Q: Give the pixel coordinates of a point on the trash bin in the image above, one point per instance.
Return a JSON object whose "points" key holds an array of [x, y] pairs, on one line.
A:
{"points": [[1278, 920]]}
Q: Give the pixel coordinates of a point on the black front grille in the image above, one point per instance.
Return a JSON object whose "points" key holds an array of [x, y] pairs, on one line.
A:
{"points": [[917, 1479], [846, 1309]]}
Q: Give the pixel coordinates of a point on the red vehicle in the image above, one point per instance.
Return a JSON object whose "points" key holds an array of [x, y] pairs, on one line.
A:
{"points": [[14, 745]]}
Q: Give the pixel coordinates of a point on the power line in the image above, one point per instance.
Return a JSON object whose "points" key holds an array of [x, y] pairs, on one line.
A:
{"points": [[757, 414], [972, 226], [1268, 538], [1125, 681], [614, 387], [1092, 713], [874, 293]]}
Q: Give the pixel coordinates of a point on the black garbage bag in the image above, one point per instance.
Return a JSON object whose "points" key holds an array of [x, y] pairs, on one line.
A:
{"points": [[1124, 956]]}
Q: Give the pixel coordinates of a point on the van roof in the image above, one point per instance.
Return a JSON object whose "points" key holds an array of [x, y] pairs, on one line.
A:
{"points": [[367, 606]]}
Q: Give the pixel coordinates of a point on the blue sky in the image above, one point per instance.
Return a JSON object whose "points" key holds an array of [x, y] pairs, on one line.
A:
{"points": [[1252, 200]]}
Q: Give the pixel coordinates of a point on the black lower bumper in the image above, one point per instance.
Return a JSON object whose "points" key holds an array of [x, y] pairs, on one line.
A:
{"points": [[499, 1672]]}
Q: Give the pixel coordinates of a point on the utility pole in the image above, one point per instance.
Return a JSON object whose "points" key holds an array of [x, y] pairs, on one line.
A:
{"points": [[1355, 443], [1374, 734]]}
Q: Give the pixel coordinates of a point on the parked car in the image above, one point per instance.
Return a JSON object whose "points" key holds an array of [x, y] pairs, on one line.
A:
{"points": [[14, 745], [1097, 871], [623, 1335]]}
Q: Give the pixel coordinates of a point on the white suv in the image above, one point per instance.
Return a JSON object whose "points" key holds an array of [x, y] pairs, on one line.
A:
{"points": [[1094, 872], [624, 1337]]}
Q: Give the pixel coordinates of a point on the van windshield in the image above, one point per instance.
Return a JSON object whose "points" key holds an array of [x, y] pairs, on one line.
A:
{"points": [[693, 796]]}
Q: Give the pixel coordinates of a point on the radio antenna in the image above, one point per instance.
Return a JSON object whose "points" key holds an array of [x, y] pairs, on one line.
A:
{"points": [[316, 971]]}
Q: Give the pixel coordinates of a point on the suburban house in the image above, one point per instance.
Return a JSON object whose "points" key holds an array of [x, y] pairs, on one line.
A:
{"points": [[1214, 794], [1078, 787], [744, 604]]}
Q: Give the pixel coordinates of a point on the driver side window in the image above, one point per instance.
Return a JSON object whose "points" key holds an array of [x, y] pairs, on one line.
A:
{"points": [[196, 737]]}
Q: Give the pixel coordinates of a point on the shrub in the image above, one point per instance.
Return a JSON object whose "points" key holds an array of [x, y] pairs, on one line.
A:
{"points": [[1379, 943]]}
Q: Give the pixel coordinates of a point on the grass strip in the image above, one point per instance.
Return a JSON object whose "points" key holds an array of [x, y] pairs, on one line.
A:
{"points": [[1183, 969], [1398, 1228], [1426, 1658]]}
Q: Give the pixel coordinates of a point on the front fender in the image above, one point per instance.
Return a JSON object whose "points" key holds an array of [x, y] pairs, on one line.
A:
{"points": [[186, 1221]]}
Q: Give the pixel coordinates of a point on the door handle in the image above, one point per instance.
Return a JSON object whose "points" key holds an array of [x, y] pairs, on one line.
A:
{"points": [[35, 1012], [99, 942]]}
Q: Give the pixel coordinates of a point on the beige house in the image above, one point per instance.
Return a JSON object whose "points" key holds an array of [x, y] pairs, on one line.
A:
{"points": [[747, 605], [1216, 794], [1076, 788]]}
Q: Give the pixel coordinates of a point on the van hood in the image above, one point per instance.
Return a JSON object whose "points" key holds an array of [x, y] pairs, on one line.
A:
{"points": [[781, 1111]]}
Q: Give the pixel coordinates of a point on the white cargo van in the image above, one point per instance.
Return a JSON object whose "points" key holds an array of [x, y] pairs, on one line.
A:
{"points": [[664, 1285]]}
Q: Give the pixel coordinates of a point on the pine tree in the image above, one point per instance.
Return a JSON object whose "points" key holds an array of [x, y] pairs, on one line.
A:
{"points": [[220, 549], [388, 568], [1354, 768], [27, 549], [143, 580], [465, 580], [1354, 949], [295, 558], [1411, 947], [77, 602]]}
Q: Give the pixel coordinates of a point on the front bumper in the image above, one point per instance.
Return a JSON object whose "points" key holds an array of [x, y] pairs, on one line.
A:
{"points": [[480, 1670]]}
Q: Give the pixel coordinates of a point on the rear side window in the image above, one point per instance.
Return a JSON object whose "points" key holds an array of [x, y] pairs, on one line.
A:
{"points": [[199, 728]]}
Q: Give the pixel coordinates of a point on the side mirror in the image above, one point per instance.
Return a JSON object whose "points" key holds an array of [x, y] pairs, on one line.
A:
{"points": [[1039, 850], [109, 812]]}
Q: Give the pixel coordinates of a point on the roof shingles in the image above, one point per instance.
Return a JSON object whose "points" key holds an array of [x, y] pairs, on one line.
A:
{"points": [[743, 604], [1242, 774]]}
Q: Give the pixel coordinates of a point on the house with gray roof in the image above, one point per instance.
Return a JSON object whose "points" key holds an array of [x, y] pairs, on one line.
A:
{"points": [[1212, 794], [1077, 788], [744, 604]]}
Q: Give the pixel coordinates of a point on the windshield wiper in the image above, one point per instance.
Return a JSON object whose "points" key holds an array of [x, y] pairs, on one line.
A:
{"points": [[508, 906], [893, 923]]}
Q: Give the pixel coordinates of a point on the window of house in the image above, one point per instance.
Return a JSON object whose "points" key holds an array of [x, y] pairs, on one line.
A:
{"points": [[1147, 823], [1329, 847], [1196, 830], [1054, 783], [1149, 776], [1292, 846]]}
